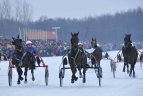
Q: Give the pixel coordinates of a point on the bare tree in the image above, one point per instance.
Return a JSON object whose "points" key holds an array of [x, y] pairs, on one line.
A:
{"points": [[5, 9], [18, 10], [0, 11], [43, 18], [23, 11]]}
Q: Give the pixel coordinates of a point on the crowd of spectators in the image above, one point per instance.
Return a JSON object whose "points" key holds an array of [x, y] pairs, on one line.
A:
{"points": [[47, 48], [44, 48]]}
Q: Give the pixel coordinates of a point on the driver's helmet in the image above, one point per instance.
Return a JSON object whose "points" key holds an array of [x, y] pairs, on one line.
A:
{"points": [[28, 42], [98, 45], [80, 43]]}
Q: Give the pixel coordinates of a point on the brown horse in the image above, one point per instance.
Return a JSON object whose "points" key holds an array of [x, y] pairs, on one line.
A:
{"points": [[28, 62], [141, 59], [96, 54], [141, 56], [130, 55], [77, 58]]}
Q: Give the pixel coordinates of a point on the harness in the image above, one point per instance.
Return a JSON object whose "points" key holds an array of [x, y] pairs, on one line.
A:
{"points": [[74, 58], [18, 56], [90, 52]]}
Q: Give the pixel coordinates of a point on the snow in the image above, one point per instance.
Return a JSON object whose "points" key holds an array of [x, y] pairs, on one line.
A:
{"points": [[122, 85]]}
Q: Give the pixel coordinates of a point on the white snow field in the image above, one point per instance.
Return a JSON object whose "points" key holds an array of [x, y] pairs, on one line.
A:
{"points": [[122, 85]]}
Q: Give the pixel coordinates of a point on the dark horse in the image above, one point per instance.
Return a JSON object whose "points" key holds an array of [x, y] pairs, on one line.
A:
{"points": [[17, 55], [141, 56], [141, 59], [22, 59], [130, 55], [96, 54], [28, 62], [77, 58]]}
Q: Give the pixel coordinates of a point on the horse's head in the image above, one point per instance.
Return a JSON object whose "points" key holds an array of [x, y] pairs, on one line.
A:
{"points": [[74, 39], [94, 43], [127, 40], [17, 42]]}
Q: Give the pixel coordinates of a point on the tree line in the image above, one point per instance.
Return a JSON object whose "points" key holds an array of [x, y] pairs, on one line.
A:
{"points": [[106, 28]]}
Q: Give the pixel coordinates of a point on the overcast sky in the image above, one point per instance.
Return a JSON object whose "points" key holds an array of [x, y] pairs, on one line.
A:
{"points": [[80, 8]]}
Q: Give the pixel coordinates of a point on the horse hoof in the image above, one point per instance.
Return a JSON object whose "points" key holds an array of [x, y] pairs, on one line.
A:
{"points": [[99, 76], [33, 79], [25, 81], [128, 71], [18, 82], [83, 80], [134, 75], [72, 81], [21, 78], [80, 76], [76, 78]]}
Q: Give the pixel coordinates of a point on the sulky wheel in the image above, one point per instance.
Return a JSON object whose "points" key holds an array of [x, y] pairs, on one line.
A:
{"points": [[46, 76], [114, 74], [61, 76], [99, 75], [113, 67], [141, 64], [114, 70], [10, 77], [99, 81]]}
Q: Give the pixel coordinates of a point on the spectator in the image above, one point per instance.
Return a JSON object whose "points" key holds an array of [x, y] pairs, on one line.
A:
{"points": [[106, 55]]}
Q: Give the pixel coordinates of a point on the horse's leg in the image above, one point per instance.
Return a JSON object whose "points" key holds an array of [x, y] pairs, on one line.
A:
{"points": [[124, 66], [133, 67], [25, 74], [127, 68], [19, 71], [141, 64], [99, 70], [73, 78], [32, 72], [84, 73], [79, 69], [93, 62], [111, 65]]}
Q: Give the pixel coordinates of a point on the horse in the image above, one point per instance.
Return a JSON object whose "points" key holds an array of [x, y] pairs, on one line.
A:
{"points": [[28, 62], [141, 59], [77, 59], [17, 55], [130, 55], [22, 59], [96, 54], [141, 56]]}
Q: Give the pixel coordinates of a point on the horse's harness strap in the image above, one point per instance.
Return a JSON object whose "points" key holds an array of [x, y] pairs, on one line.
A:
{"points": [[75, 56], [20, 60]]}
